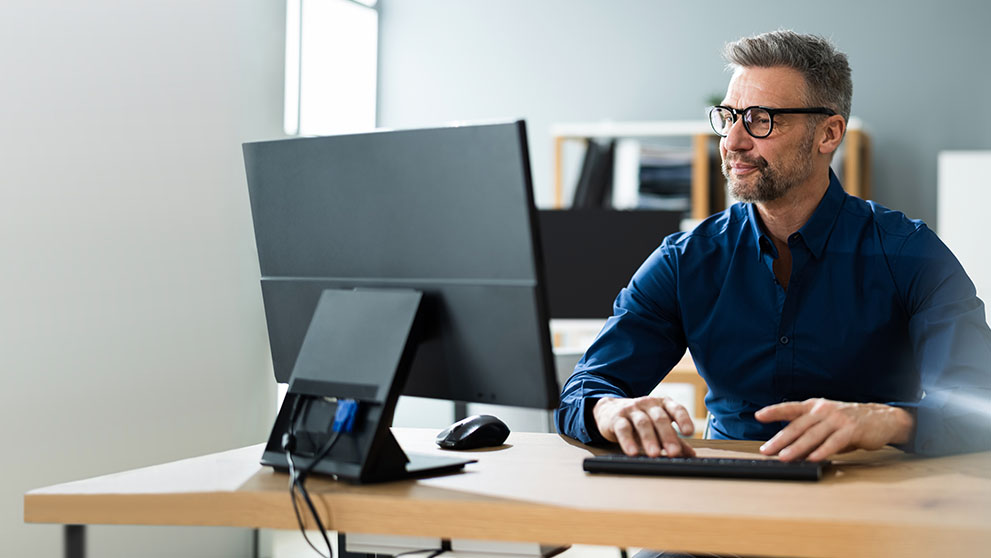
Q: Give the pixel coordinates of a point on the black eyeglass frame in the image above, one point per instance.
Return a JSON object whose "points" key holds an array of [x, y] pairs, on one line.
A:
{"points": [[770, 112]]}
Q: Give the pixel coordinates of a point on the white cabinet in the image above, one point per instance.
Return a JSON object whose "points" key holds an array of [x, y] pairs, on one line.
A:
{"points": [[963, 201]]}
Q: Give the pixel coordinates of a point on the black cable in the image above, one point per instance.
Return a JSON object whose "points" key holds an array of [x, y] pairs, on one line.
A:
{"points": [[289, 444], [297, 480], [323, 453], [316, 517], [295, 507], [301, 486]]}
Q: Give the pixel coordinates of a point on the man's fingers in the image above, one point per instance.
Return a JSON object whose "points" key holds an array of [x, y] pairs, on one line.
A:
{"points": [[835, 443], [781, 412], [811, 439], [787, 435], [644, 427], [670, 439], [625, 437], [665, 414], [659, 420], [686, 449], [679, 415]]}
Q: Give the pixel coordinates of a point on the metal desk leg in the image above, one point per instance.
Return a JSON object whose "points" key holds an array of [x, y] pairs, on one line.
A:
{"points": [[74, 541]]}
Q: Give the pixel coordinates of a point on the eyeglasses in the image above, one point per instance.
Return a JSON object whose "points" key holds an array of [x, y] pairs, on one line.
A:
{"points": [[758, 121]]}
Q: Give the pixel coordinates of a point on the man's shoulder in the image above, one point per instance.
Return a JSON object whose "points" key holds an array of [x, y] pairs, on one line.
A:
{"points": [[719, 228], [889, 223]]}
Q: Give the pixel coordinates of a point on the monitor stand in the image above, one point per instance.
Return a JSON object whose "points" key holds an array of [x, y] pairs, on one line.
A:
{"points": [[359, 345]]}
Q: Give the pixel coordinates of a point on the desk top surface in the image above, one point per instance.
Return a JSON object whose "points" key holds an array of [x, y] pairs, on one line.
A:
{"points": [[870, 503]]}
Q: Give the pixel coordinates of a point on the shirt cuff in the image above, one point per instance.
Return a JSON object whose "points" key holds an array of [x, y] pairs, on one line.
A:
{"points": [[591, 429], [912, 409]]}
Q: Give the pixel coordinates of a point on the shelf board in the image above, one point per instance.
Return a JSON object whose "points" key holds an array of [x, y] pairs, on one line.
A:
{"points": [[632, 129]]}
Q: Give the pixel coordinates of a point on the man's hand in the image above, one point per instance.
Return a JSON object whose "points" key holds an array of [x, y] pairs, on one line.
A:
{"points": [[643, 425], [820, 428]]}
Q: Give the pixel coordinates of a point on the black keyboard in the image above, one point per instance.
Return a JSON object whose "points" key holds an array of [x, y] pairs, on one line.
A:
{"points": [[706, 467]]}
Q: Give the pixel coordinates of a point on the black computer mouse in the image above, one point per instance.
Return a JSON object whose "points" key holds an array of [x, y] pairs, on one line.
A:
{"points": [[478, 431]]}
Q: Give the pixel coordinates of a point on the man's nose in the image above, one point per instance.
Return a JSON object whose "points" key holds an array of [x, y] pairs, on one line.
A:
{"points": [[738, 139]]}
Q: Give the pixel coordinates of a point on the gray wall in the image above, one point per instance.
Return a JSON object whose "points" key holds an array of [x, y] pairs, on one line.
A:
{"points": [[922, 75], [131, 327]]}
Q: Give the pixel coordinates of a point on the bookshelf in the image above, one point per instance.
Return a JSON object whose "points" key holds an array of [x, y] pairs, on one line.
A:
{"points": [[853, 158]]}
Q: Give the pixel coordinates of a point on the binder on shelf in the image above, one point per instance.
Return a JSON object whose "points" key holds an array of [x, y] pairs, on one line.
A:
{"points": [[595, 180]]}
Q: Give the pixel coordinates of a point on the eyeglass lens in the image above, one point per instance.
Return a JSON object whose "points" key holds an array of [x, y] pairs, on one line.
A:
{"points": [[757, 121]]}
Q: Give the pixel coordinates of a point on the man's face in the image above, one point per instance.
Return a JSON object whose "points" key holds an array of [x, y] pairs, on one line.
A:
{"points": [[764, 169]]}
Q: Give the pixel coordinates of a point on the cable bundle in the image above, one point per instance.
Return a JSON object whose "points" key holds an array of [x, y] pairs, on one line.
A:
{"points": [[343, 422]]}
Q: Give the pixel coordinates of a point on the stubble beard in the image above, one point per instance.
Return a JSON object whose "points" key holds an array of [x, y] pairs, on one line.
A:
{"points": [[770, 183]]}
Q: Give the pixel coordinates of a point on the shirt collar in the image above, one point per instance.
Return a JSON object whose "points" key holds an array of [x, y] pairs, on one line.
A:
{"points": [[816, 230], [763, 240]]}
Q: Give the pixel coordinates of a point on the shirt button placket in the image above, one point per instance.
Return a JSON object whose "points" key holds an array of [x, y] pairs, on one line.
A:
{"points": [[784, 359]]}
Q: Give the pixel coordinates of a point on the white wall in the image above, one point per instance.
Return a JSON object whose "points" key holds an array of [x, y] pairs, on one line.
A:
{"points": [[131, 326]]}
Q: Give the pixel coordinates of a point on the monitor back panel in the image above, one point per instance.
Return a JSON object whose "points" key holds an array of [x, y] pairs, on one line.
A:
{"points": [[448, 211]]}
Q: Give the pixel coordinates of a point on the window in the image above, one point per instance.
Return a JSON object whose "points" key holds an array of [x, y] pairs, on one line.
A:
{"points": [[331, 66]]}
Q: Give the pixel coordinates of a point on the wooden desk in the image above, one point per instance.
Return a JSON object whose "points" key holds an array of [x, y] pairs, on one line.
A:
{"points": [[872, 504]]}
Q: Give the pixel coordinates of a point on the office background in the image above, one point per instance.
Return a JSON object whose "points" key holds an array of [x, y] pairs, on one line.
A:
{"points": [[131, 326]]}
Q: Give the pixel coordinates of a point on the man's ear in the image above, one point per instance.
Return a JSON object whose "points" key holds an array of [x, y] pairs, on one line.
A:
{"points": [[832, 134]]}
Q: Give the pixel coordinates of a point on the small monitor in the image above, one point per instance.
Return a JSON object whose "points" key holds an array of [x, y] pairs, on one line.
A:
{"points": [[446, 214]]}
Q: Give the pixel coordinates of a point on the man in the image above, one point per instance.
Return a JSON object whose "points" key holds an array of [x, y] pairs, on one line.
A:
{"points": [[820, 322]]}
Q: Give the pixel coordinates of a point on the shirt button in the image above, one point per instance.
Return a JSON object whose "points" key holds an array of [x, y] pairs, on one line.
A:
{"points": [[784, 339]]}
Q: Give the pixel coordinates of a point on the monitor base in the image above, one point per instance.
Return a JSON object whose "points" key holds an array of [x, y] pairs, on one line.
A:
{"points": [[418, 466]]}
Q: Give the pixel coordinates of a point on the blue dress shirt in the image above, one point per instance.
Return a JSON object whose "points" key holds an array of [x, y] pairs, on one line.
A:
{"points": [[877, 309]]}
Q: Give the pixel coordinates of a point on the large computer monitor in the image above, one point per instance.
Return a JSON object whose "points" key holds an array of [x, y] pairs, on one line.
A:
{"points": [[408, 262]]}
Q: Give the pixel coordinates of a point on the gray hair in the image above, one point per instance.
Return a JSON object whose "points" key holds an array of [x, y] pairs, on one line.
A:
{"points": [[826, 70]]}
